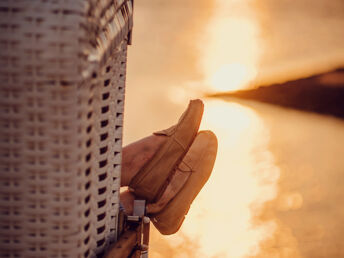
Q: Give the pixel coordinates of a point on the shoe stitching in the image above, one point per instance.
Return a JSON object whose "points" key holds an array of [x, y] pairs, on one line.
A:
{"points": [[185, 149], [180, 144]]}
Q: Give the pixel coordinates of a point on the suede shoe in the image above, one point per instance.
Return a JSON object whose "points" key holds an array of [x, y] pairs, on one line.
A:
{"points": [[191, 175], [152, 179]]}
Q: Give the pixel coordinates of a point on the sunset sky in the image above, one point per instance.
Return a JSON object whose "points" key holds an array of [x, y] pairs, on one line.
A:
{"points": [[251, 205]]}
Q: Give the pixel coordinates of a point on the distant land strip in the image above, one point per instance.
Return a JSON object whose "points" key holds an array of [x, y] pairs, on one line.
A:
{"points": [[321, 93]]}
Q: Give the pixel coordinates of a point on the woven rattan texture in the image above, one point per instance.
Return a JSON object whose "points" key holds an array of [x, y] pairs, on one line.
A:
{"points": [[62, 82]]}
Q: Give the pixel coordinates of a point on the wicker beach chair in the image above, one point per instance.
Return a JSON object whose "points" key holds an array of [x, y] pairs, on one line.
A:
{"points": [[62, 81]]}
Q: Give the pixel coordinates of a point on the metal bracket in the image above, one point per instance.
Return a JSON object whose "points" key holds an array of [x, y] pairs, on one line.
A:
{"points": [[134, 241], [139, 217], [139, 208]]}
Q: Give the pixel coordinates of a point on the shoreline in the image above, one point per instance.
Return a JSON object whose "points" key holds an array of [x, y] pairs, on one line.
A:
{"points": [[321, 93]]}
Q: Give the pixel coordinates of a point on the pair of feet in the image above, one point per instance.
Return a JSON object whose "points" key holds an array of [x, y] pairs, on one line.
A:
{"points": [[168, 169]]}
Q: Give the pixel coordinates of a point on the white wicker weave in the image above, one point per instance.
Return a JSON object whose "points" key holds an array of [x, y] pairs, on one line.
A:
{"points": [[62, 82]]}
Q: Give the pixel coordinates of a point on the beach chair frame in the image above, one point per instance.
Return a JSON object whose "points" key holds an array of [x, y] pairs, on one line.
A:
{"points": [[62, 82]]}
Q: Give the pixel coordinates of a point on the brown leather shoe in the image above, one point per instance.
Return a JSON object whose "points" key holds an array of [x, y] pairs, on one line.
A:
{"points": [[152, 179], [191, 175]]}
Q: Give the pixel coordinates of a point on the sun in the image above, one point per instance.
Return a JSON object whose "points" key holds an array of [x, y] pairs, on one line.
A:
{"points": [[231, 77]]}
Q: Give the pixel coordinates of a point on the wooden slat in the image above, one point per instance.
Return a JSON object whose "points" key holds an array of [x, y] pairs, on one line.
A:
{"points": [[124, 246]]}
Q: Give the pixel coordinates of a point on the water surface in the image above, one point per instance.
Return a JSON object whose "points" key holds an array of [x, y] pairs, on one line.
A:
{"points": [[276, 187]]}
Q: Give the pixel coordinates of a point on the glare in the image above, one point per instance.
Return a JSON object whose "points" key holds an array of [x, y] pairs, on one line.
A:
{"points": [[230, 58], [231, 77]]}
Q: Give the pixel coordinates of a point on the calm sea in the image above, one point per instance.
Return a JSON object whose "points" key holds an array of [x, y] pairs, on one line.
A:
{"points": [[276, 189]]}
